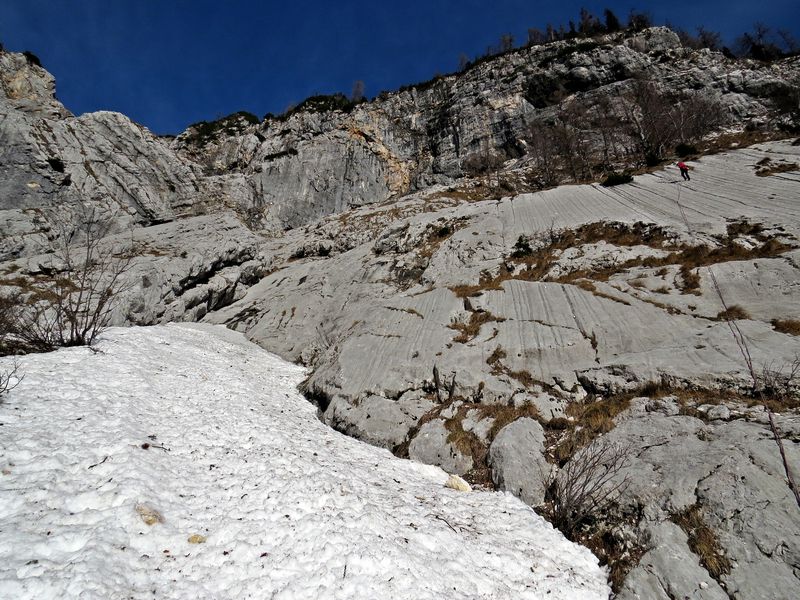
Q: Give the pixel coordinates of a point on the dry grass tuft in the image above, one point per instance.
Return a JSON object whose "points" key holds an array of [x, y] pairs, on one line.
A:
{"points": [[733, 313], [690, 280], [527, 380], [790, 326], [768, 168], [614, 553], [503, 415], [702, 541], [590, 419], [468, 443], [469, 331], [438, 234]]}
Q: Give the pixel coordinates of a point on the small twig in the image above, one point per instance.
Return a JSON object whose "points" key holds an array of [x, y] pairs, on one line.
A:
{"points": [[7, 377], [441, 518], [148, 445], [452, 389], [98, 464], [437, 383], [781, 449]]}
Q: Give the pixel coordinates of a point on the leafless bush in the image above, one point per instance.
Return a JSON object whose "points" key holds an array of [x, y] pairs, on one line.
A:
{"points": [[10, 379], [657, 120], [780, 383], [587, 485], [542, 149], [484, 162], [75, 303]]}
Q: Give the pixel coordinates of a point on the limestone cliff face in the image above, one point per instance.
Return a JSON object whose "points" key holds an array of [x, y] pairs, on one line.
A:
{"points": [[286, 172], [465, 324], [52, 162], [311, 164]]}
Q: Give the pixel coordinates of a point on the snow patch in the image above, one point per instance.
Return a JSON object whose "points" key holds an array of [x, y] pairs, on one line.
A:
{"points": [[116, 464]]}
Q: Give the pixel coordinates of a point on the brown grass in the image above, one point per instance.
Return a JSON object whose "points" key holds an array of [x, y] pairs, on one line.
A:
{"points": [[587, 285], [468, 443], [689, 281], [702, 541], [790, 326], [614, 553], [590, 418], [438, 233], [486, 282], [690, 399], [527, 380], [410, 311], [503, 415], [733, 313], [742, 227], [469, 331], [494, 359], [672, 310], [767, 168], [536, 264]]}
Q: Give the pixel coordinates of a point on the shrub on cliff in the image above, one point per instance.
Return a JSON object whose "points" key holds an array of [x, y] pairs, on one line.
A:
{"points": [[32, 58], [203, 132], [73, 301], [617, 179]]}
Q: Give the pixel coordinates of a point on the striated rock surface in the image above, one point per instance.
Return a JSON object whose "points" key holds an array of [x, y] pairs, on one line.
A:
{"points": [[733, 472], [451, 316], [436, 288], [535, 338]]}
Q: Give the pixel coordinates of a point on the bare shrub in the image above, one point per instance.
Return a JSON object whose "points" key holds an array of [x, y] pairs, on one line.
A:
{"points": [[484, 162], [8, 306], [779, 385], [542, 149], [74, 303], [586, 486], [10, 379], [657, 120]]}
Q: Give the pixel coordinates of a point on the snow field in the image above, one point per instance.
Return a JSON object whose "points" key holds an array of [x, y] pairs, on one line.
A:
{"points": [[289, 509]]}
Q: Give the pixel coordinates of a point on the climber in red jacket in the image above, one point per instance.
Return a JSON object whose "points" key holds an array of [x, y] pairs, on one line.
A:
{"points": [[684, 171]]}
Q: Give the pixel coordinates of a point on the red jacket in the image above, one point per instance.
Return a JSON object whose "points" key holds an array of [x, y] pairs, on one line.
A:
{"points": [[682, 166]]}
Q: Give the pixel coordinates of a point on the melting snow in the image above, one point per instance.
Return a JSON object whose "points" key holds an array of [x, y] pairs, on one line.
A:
{"points": [[240, 492]]}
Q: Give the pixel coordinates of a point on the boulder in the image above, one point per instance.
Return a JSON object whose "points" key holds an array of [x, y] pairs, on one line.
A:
{"points": [[431, 446], [517, 461]]}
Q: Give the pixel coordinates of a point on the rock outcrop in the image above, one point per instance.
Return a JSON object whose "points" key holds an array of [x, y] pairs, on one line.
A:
{"points": [[731, 473], [448, 313], [447, 322], [317, 160]]}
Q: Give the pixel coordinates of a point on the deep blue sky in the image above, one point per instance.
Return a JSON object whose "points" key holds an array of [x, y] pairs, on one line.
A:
{"points": [[168, 63]]}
